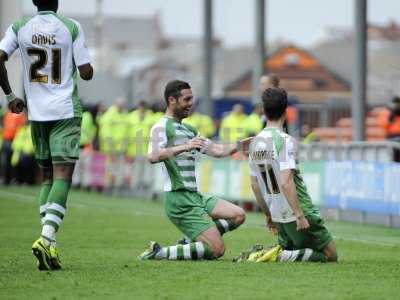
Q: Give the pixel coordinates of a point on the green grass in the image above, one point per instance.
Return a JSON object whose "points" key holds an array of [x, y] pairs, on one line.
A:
{"points": [[102, 236]]}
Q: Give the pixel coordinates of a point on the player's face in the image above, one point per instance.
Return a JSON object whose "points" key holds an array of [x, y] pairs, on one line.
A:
{"points": [[184, 104]]}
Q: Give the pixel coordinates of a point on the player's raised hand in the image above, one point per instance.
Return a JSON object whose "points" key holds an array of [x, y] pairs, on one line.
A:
{"points": [[197, 143], [16, 106], [302, 223]]}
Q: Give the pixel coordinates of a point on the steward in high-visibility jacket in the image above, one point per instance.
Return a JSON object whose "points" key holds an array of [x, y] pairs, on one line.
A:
{"points": [[113, 128], [232, 126], [21, 144], [140, 123], [203, 123], [88, 129], [254, 123]]}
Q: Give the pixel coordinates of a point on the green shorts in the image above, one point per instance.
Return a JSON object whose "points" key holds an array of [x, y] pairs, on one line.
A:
{"points": [[190, 211], [317, 237], [56, 141]]}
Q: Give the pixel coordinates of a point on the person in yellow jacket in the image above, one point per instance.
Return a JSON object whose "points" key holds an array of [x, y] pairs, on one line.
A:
{"points": [[232, 126], [22, 159], [113, 128], [88, 129], [158, 112], [254, 124], [100, 121], [140, 123], [308, 134], [203, 123]]}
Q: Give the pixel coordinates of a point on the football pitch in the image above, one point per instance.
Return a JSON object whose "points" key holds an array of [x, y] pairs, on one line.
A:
{"points": [[102, 236]]}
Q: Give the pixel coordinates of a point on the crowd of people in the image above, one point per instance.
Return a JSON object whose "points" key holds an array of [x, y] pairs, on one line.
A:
{"points": [[17, 161], [118, 131], [113, 130]]}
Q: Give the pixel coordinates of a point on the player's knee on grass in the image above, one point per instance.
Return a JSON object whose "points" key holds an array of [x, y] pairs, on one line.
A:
{"points": [[330, 252], [218, 249], [331, 257], [213, 239]]}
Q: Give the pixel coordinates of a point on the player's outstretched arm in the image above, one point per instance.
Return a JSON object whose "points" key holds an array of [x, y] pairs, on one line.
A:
{"points": [[16, 105], [4, 83], [160, 154], [290, 192], [223, 150], [260, 201], [86, 71]]}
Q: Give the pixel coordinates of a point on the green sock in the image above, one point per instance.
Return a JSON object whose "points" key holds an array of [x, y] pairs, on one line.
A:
{"points": [[57, 203], [192, 251], [43, 195], [302, 255], [225, 225]]}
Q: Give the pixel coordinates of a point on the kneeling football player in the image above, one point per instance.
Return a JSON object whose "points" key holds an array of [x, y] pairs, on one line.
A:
{"points": [[203, 219], [281, 193]]}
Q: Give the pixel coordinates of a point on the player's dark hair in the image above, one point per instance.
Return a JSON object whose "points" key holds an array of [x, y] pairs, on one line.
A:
{"points": [[46, 4], [274, 102], [174, 88]]}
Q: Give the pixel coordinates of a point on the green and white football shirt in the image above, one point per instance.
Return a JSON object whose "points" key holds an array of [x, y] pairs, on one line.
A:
{"points": [[51, 48], [179, 171], [271, 152]]}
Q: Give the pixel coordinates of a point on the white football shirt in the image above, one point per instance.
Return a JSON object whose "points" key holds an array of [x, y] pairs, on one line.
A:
{"points": [[271, 152], [51, 48]]}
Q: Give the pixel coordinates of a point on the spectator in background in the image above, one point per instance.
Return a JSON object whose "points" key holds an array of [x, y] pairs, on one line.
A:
{"points": [[232, 126], [98, 112], [389, 119], [203, 123], [308, 135], [11, 124], [158, 112], [254, 122], [88, 129], [139, 125], [113, 128], [23, 158], [268, 81]]}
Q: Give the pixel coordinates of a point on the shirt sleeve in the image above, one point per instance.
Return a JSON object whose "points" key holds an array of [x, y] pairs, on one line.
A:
{"points": [[80, 51], [10, 42], [158, 139], [287, 157]]}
